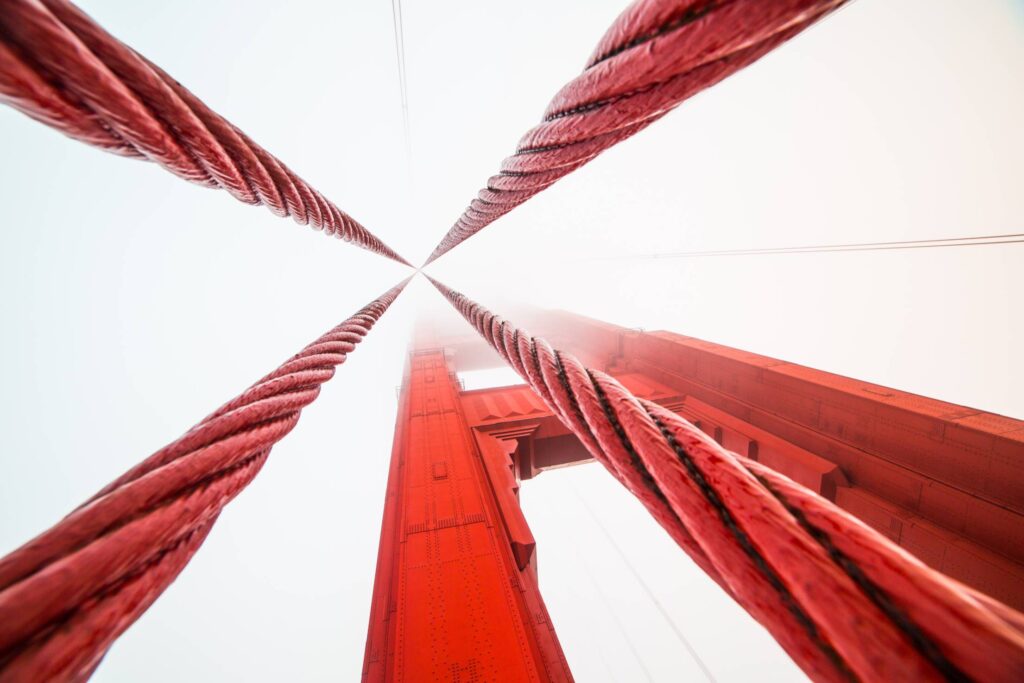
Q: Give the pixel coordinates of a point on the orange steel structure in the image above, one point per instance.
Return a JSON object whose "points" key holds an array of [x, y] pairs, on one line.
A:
{"points": [[456, 592], [456, 595]]}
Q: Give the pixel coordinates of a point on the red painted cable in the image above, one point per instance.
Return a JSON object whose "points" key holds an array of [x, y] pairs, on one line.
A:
{"points": [[845, 602], [68, 593], [60, 67], [657, 54]]}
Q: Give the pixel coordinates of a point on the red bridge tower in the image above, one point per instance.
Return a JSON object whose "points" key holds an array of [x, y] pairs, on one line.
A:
{"points": [[456, 590]]}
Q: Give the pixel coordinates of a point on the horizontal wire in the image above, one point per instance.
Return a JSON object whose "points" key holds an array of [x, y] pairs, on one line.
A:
{"points": [[1008, 238]]}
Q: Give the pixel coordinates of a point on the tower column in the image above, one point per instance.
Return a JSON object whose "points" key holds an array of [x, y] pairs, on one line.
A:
{"points": [[455, 596]]}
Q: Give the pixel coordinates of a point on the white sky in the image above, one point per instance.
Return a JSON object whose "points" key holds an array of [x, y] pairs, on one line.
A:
{"points": [[135, 303]]}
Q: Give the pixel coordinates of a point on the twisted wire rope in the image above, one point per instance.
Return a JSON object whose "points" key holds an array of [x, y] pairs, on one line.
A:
{"points": [[842, 600], [655, 55], [61, 68], [67, 594]]}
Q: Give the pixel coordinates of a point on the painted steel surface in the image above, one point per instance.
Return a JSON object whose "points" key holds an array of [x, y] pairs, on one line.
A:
{"points": [[845, 602], [943, 481], [455, 596]]}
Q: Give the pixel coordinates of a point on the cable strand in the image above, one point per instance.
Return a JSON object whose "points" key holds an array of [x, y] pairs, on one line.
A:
{"points": [[844, 601], [67, 594], [60, 67], [656, 54]]}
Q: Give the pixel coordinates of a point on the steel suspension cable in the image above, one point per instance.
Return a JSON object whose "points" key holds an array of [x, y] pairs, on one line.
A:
{"points": [[841, 599], [61, 68], [656, 54], [67, 594]]}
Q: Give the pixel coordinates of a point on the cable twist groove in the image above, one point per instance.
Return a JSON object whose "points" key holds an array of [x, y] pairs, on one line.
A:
{"points": [[844, 602], [655, 55], [61, 68], [68, 593]]}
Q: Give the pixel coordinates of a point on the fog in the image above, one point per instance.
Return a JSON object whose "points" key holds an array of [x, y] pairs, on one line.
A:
{"points": [[135, 303]]}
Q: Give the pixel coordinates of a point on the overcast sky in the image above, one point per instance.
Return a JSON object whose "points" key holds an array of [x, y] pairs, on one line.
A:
{"points": [[135, 303]]}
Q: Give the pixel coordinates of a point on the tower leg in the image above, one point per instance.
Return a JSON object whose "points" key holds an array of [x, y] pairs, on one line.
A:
{"points": [[455, 596]]}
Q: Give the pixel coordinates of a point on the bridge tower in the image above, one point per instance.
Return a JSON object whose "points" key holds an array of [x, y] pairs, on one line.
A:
{"points": [[456, 595]]}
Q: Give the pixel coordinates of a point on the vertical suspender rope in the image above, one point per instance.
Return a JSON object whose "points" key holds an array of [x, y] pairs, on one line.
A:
{"points": [[655, 55], [66, 595], [60, 67], [845, 602]]}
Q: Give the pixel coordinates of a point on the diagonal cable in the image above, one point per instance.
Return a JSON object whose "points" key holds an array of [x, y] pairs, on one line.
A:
{"points": [[67, 594], [683, 640], [60, 67], [844, 601], [655, 55]]}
